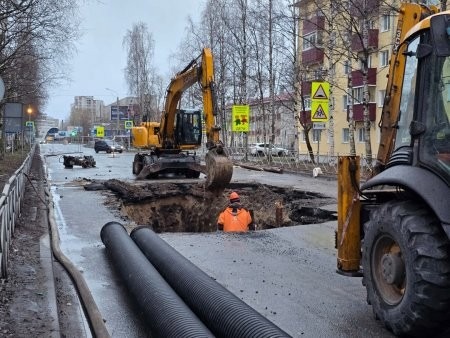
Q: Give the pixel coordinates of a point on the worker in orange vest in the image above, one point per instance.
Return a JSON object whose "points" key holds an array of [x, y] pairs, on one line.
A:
{"points": [[235, 218]]}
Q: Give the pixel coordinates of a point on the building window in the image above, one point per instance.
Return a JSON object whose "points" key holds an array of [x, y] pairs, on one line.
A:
{"points": [[361, 133], [344, 102], [385, 23], [369, 62], [345, 137], [316, 135], [358, 95], [309, 41], [346, 67], [384, 58], [381, 95], [307, 101]]}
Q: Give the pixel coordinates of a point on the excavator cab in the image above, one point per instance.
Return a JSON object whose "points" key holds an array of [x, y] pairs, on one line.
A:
{"points": [[423, 128], [188, 127]]}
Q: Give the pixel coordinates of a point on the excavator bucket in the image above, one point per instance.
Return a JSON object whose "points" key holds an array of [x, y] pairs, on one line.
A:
{"points": [[219, 170]]}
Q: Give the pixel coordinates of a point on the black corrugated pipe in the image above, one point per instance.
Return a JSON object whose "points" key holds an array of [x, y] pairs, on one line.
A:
{"points": [[225, 314], [165, 313]]}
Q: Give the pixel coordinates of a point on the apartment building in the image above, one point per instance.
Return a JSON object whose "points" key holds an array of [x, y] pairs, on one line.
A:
{"points": [[329, 51], [94, 108]]}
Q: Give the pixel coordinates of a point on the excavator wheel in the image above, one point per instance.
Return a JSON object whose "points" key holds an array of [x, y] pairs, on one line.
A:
{"points": [[406, 263], [219, 170], [137, 164]]}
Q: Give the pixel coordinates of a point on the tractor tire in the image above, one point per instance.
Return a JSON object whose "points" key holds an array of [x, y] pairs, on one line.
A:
{"points": [[137, 165], [406, 264], [149, 160]]}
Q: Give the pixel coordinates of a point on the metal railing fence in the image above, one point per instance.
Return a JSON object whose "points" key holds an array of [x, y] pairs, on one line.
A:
{"points": [[294, 161], [10, 208]]}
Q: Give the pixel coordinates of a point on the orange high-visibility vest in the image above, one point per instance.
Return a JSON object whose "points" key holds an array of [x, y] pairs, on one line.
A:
{"points": [[235, 221]]}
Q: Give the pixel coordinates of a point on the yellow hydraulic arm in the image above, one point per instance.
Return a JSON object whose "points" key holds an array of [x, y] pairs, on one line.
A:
{"points": [[410, 14], [194, 72]]}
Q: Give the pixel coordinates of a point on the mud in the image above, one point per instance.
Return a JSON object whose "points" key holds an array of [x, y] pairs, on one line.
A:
{"points": [[183, 207]]}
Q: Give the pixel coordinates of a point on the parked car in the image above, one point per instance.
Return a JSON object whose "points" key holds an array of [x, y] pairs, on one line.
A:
{"points": [[108, 146], [261, 149]]}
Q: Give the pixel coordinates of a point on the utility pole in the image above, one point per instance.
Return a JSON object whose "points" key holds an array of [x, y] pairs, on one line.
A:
{"points": [[118, 115]]}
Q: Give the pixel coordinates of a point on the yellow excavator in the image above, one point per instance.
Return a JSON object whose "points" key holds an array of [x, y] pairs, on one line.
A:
{"points": [[170, 145], [394, 229]]}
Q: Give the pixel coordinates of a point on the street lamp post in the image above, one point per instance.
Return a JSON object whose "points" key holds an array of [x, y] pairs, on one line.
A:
{"points": [[29, 112]]}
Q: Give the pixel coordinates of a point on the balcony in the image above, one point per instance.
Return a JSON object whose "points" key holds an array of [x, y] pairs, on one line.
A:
{"points": [[312, 56], [358, 112], [305, 116], [372, 42], [314, 24], [357, 77], [306, 88]]}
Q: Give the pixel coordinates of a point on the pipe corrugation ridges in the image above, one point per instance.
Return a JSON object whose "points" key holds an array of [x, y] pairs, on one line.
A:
{"points": [[166, 314], [225, 314]]}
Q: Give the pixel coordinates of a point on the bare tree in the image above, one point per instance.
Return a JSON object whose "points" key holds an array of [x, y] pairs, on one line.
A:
{"points": [[139, 73], [36, 42], [83, 118]]}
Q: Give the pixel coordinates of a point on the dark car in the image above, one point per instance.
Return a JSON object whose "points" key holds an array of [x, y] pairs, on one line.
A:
{"points": [[108, 146]]}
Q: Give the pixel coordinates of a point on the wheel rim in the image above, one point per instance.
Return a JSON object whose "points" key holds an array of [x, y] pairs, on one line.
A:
{"points": [[389, 273]]}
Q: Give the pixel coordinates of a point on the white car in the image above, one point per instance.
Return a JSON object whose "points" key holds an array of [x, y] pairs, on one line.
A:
{"points": [[261, 149]]}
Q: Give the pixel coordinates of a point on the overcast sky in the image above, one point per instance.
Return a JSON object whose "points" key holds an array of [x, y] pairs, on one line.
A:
{"points": [[101, 59]]}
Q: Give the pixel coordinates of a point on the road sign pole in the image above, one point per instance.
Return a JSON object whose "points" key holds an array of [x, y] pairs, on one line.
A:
{"points": [[318, 145]]}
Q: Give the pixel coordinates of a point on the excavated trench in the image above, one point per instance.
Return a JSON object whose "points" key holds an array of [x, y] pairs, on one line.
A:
{"points": [[184, 207]]}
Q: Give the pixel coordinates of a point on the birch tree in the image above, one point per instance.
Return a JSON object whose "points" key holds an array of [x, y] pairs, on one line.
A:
{"points": [[139, 72]]}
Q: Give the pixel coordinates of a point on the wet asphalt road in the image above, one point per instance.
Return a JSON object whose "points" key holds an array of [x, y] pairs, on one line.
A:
{"points": [[286, 274]]}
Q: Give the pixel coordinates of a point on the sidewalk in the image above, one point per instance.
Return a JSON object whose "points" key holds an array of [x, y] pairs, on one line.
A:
{"points": [[28, 299]]}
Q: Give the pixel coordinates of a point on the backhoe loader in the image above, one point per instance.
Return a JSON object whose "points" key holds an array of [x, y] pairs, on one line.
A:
{"points": [[171, 144], [394, 228]]}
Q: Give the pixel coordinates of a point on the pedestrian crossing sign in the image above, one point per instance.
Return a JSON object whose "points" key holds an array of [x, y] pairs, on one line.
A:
{"points": [[128, 124], [319, 112]]}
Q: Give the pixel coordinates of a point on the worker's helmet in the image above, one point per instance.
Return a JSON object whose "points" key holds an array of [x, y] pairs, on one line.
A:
{"points": [[234, 197]]}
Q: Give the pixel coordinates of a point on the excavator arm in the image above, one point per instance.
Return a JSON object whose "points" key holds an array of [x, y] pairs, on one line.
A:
{"points": [[219, 168], [179, 83], [410, 15]]}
